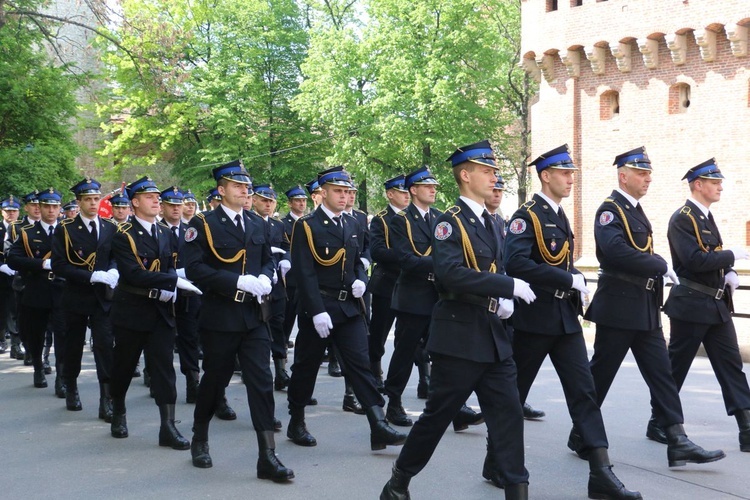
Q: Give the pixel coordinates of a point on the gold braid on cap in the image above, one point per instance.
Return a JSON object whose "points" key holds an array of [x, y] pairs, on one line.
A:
{"points": [[686, 211], [553, 260], [648, 247], [469, 255]]}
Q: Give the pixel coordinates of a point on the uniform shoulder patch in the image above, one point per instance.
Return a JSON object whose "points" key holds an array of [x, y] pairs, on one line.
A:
{"points": [[606, 217], [517, 226], [443, 230], [191, 234]]}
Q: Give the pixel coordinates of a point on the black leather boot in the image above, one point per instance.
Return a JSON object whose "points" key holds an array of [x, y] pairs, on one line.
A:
{"points": [[654, 431], [297, 430], [466, 417], [530, 413], [281, 377], [199, 446], [350, 400], [743, 422], [72, 400], [119, 426], [603, 483], [377, 372], [3, 344], [27, 361], [397, 487], [518, 491], [489, 469], [382, 434], [277, 425], [60, 390], [45, 361], [16, 349], [40, 381], [223, 411], [191, 387], [424, 368], [680, 450], [269, 465], [396, 414], [334, 368], [168, 433], [105, 403], [575, 443]]}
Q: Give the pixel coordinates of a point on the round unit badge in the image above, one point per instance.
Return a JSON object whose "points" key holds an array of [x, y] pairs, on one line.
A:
{"points": [[443, 230], [191, 234], [517, 226], [606, 217]]}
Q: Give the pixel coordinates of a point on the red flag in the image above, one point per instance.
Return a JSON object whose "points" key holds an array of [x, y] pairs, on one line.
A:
{"points": [[105, 207]]}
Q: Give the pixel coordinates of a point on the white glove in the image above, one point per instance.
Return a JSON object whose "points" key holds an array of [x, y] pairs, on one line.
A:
{"points": [[184, 284], [504, 308], [358, 288], [278, 250], [323, 324], [523, 291], [365, 262], [265, 281], [284, 267], [100, 277], [250, 284], [5, 269], [579, 283], [275, 277], [166, 295], [739, 253], [181, 273], [672, 275], [114, 272], [732, 281], [47, 264]]}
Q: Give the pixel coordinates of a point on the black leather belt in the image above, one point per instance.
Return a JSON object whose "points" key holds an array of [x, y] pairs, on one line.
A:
{"points": [[340, 295], [647, 283], [489, 303], [716, 293], [558, 293], [151, 293], [428, 276]]}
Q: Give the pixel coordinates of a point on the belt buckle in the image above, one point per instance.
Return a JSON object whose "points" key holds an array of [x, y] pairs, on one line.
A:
{"points": [[430, 277], [719, 294], [153, 293], [343, 294], [650, 284], [239, 296], [50, 275], [560, 294], [492, 306]]}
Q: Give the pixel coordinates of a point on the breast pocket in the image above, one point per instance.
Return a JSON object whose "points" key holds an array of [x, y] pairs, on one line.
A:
{"points": [[554, 238]]}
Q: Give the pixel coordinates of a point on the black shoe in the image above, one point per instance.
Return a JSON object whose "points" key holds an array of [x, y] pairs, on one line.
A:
{"points": [[397, 487], [46, 367], [224, 411], [136, 372], [119, 426], [352, 405], [277, 425], [423, 389], [396, 415], [199, 452], [603, 484], [743, 424], [40, 381], [466, 417], [530, 413], [168, 433], [281, 380], [27, 361], [575, 443], [680, 450], [654, 431], [72, 400], [297, 430], [3, 346], [290, 344], [105, 409], [334, 369], [17, 352], [60, 387], [518, 491], [312, 402], [490, 469], [382, 434], [269, 466]]}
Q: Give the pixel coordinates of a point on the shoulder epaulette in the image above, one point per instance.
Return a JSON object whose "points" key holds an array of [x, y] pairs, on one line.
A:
{"points": [[65, 222], [454, 210], [201, 215], [402, 213], [27, 226], [382, 213], [276, 217], [110, 220], [306, 216], [358, 211], [529, 204], [124, 227], [163, 224]]}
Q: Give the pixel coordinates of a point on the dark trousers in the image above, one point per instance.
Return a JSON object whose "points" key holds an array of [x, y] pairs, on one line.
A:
{"points": [[720, 342], [276, 326], [159, 346], [187, 309], [219, 352], [380, 324], [290, 313], [453, 380], [650, 353], [8, 317], [411, 329], [350, 338], [33, 321], [571, 362], [103, 342]]}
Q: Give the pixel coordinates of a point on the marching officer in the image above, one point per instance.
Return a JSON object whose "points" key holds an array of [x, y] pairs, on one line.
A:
{"points": [[31, 256], [384, 273], [213, 198], [143, 311], [316, 192], [700, 307], [8, 316], [626, 305], [470, 347], [81, 254], [227, 252], [297, 200], [189, 206], [120, 208], [70, 209], [331, 281], [539, 249]]}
